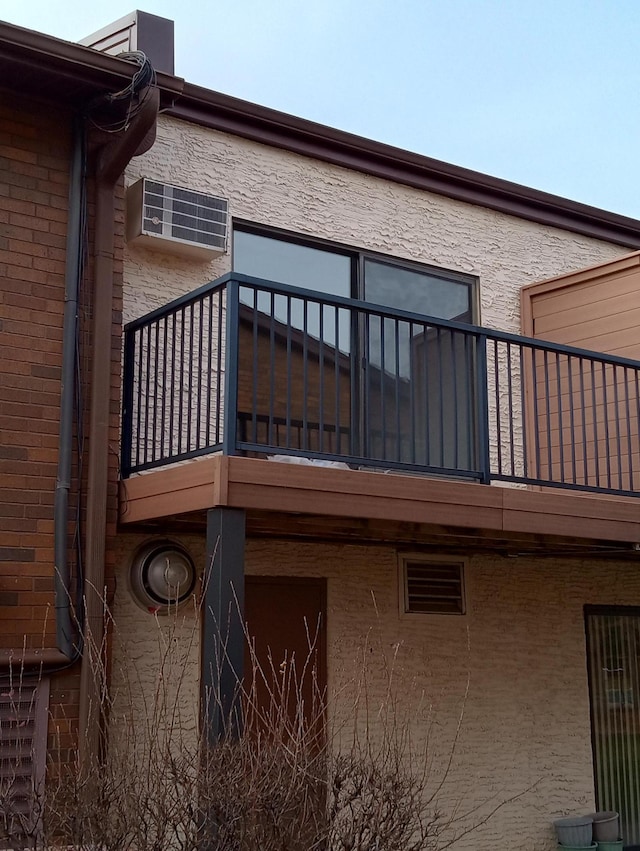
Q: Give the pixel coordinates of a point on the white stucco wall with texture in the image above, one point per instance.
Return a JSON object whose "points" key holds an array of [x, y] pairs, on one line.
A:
{"points": [[277, 188], [525, 732]]}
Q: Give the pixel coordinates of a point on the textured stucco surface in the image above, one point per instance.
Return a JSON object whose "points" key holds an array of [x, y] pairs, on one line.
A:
{"points": [[525, 728], [280, 189], [284, 190]]}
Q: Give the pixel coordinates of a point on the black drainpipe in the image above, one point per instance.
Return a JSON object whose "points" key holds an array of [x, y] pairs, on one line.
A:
{"points": [[65, 632]]}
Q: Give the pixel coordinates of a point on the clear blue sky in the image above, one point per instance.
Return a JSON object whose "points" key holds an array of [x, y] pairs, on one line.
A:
{"points": [[544, 93]]}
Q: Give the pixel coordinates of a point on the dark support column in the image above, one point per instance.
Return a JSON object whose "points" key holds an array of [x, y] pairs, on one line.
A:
{"points": [[223, 634]]}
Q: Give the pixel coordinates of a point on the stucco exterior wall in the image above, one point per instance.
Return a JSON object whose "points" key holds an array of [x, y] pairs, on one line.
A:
{"points": [[520, 650], [513, 669], [281, 189]]}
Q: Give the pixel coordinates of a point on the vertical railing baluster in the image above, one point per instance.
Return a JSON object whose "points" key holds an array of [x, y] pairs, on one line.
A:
{"points": [[304, 444], [547, 396], [140, 394], [511, 431], [200, 372], [536, 412], [496, 393], [605, 414], [628, 427], [412, 397], [209, 377], [181, 377], [583, 414], [366, 417], [637, 408], [523, 410], [255, 364], [127, 402], [147, 394], [440, 395], [337, 448], [321, 377], [230, 429], [272, 370], [616, 419], [190, 382], [356, 382], [572, 419], [427, 406], [560, 422], [288, 377], [396, 346], [172, 398], [154, 382], [469, 395], [454, 390], [219, 381], [383, 407], [594, 415], [163, 410], [482, 393]]}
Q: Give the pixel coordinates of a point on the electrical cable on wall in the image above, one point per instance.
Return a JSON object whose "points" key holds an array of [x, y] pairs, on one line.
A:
{"points": [[143, 78]]}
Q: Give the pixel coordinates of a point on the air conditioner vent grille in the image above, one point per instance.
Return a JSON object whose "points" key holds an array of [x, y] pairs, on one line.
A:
{"points": [[174, 219], [433, 587], [23, 732]]}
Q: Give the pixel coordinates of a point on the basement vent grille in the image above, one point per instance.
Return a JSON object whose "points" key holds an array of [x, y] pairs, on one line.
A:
{"points": [[433, 586], [23, 745], [172, 219]]}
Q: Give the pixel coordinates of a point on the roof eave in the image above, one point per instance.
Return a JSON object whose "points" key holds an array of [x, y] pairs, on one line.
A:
{"points": [[72, 67], [268, 126]]}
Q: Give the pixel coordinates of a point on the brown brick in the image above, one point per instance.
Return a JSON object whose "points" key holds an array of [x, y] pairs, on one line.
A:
{"points": [[13, 452], [16, 554], [15, 206], [37, 599], [18, 524], [14, 259], [17, 154]]}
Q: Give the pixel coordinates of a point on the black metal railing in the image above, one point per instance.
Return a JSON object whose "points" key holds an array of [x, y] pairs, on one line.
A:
{"points": [[246, 366]]}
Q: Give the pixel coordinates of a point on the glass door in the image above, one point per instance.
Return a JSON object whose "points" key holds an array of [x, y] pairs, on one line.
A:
{"points": [[353, 382], [613, 648], [295, 370], [418, 383]]}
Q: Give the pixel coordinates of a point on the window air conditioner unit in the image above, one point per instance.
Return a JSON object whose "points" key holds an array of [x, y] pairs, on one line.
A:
{"points": [[177, 221]]}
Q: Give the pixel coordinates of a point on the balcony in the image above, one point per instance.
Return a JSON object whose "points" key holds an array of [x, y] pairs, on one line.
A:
{"points": [[246, 367]]}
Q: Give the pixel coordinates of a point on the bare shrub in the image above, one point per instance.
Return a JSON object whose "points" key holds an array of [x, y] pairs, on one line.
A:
{"points": [[298, 778]]}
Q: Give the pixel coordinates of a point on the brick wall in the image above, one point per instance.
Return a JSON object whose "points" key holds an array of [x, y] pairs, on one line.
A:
{"points": [[35, 150], [34, 169]]}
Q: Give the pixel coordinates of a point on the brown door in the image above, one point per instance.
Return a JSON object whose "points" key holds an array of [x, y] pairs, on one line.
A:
{"points": [[285, 655]]}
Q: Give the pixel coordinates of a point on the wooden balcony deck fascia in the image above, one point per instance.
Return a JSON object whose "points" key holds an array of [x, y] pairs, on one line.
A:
{"points": [[256, 484]]}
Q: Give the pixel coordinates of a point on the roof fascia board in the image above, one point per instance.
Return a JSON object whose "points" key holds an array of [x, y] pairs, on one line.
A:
{"points": [[40, 51], [261, 124]]}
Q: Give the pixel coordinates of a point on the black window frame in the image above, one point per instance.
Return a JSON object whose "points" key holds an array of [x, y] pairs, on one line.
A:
{"points": [[358, 257]]}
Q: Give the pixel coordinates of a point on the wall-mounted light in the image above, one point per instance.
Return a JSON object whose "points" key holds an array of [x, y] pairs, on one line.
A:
{"points": [[162, 576]]}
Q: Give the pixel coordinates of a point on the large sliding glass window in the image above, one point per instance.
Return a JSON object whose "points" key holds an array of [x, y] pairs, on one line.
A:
{"points": [[359, 383]]}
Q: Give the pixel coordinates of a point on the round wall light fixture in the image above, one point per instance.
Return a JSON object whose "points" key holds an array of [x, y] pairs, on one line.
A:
{"points": [[162, 576]]}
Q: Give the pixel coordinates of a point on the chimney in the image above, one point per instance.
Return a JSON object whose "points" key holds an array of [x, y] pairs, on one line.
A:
{"points": [[137, 31]]}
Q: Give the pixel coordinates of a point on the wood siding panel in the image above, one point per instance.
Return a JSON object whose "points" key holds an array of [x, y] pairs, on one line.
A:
{"points": [[596, 309]]}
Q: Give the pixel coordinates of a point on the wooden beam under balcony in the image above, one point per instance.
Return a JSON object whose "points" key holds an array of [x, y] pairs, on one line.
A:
{"points": [[289, 489]]}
